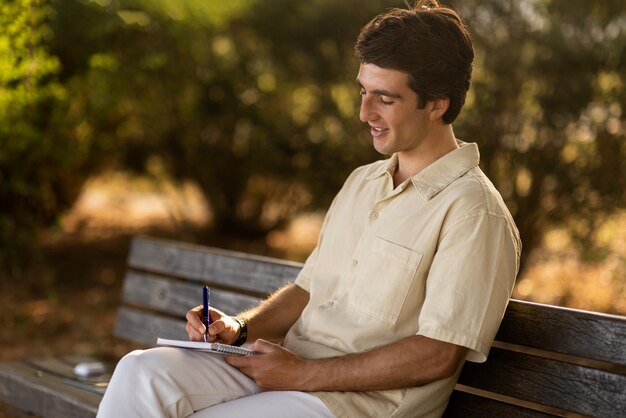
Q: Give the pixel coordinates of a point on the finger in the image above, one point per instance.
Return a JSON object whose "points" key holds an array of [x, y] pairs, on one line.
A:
{"points": [[194, 317], [215, 314], [240, 362], [217, 327], [216, 330], [263, 346], [193, 333], [195, 328]]}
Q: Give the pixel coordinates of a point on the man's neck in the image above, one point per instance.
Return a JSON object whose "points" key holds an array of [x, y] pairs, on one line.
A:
{"points": [[412, 162]]}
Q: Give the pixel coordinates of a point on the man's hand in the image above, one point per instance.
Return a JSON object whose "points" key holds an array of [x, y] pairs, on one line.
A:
{"points": [[275, 368], [223, 329]]}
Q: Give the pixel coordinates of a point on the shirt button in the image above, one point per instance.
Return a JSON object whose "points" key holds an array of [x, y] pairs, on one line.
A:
{"points": [[373, 216], [327, 305], [355, 263]]}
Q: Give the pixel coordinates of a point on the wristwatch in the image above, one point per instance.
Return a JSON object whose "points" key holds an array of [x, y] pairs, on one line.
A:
{"points": [[243, 334]]}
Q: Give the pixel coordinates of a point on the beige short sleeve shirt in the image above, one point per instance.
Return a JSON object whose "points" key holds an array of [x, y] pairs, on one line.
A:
{"points": [[436, 256]]}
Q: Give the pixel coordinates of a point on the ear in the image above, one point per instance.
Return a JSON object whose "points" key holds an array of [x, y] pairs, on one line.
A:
{"points": [[438, 107]]}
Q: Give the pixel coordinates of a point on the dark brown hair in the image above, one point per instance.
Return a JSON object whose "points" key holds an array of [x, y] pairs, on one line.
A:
{"points": [[430, 43]]}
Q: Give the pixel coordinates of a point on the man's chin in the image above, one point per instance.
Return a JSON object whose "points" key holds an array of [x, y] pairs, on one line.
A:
{"points": [[381, 147]]}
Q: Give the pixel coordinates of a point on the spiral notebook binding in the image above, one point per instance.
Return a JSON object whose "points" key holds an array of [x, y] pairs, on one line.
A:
{"points": [[231, 349]]}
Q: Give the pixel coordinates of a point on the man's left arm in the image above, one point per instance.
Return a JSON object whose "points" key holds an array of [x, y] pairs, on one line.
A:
{"points": [[410, 362]]}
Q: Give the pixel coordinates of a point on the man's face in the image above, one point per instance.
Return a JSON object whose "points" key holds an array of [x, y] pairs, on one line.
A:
{"points": [[389, 106]]}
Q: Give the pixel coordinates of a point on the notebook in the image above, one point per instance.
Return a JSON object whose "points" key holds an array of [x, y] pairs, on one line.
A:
{"points": [[208, 347]]}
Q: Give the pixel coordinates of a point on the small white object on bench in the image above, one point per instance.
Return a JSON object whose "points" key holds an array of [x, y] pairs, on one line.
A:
{"points": [[88, 369]]}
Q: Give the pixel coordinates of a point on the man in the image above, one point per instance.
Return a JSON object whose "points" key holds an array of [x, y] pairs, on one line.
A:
{"points": [[411, 275]]}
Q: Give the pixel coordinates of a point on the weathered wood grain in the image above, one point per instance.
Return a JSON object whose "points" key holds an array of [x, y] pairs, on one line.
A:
{"points": [[549, 382], [176, 297], [466, 405], [43, 394], [10, 411], [585, 334], [64, 369], [252, 273], [143, 327], [60, 367]]}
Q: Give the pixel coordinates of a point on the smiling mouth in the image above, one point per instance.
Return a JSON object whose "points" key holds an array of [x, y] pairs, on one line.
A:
{"points": [[378, 131]]}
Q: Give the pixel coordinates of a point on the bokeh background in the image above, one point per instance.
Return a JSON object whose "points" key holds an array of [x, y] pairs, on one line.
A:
{"points": [[234, 123]]}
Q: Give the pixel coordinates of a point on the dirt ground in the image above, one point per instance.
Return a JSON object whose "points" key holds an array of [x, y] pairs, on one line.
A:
{"points": [[67, 302]]}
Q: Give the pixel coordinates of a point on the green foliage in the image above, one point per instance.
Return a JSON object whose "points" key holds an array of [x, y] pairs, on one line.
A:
{"points": [[547, 108], [256, 102], [264, 123], [31, 187], [275, 123]]}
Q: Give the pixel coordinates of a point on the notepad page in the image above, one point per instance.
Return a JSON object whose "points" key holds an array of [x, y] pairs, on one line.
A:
{"points": [[208, 347]]}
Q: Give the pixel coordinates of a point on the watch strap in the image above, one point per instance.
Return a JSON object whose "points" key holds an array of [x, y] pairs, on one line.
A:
{"points": [[243, 334]]}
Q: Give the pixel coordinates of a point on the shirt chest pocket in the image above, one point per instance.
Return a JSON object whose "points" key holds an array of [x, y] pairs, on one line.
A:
{"points": [[383, 279]]}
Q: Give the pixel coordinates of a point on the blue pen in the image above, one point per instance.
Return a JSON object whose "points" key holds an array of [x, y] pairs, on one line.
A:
{"points": [[206, 317]]}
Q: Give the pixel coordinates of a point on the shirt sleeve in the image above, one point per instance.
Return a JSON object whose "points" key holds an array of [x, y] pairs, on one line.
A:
{"points": [[304, 277], [470, 283]]}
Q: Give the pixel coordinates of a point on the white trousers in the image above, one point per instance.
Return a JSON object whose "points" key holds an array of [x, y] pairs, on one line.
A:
{"points": [[173, 382]]}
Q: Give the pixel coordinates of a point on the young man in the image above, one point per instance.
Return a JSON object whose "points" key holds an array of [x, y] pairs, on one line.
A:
{"points": [[411, 275]]}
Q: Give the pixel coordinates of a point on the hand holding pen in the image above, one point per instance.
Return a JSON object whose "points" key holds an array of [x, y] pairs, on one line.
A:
{"points": [[224, 329]]}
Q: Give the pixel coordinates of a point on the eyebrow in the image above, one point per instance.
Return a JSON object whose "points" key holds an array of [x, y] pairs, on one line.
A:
{"points": [[380, 92]]}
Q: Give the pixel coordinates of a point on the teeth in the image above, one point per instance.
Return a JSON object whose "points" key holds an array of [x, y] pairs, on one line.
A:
{"points": [[378, 129]]}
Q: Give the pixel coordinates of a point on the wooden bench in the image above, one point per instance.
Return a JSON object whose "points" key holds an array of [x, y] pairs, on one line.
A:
{"points": [[547, 360]]}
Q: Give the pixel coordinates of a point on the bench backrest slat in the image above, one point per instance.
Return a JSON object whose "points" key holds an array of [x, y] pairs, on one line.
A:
{"points": [[254, 274], [165, 277], [176, 297], [144, 327], [549, 382], [467, 405], [568, 331]]}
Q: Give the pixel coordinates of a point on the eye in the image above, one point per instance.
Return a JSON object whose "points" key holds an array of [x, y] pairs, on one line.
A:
{"points": [[362, 92], [385, 102]]}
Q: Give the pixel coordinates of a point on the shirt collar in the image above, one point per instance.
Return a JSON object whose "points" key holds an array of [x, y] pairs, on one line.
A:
{"points": [[388, 167], [438, 175]]}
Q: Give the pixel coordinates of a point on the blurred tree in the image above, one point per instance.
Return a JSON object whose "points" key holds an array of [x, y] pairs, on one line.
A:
{"points": [[546, 107], [277, 116], [256, 102], [259, 120], [36, 171]]}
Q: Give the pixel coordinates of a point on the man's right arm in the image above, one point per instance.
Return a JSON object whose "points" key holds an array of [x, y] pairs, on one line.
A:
{"points": [[269, 320]]}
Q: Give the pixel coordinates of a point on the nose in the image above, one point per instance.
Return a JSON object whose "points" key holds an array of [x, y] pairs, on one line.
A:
{"points": [[366, 111]]}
